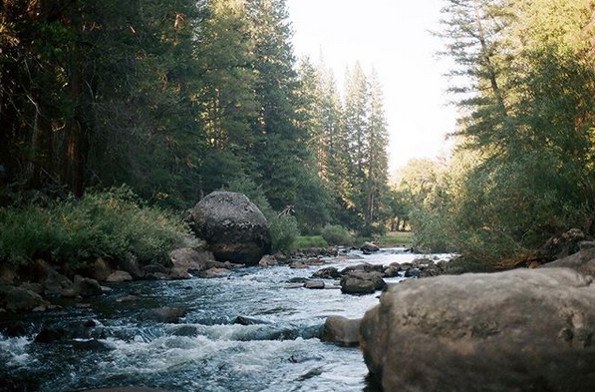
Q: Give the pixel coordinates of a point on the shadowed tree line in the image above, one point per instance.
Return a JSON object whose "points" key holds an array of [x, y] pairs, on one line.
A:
{"points": [[179, 98]]}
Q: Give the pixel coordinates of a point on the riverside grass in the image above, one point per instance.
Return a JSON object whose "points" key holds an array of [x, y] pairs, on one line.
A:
{"points": [[113, 224]]}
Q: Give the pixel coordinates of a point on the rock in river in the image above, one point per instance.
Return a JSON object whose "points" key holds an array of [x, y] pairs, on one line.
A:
{"points": [[233, 227], [521, 330], [341, 331]]}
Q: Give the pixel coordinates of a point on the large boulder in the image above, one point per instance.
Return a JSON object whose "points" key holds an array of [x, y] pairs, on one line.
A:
{"points": [[521, 330], [234, 228]]}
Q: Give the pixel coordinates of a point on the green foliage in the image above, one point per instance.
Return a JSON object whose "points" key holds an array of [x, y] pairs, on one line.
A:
{"points": [[337, 235], [284, 231], [113, 224], [308, 242], [524, 169], [396, 238]]}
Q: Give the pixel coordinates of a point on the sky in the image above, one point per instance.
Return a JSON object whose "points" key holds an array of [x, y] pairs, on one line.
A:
{"points": [[391, 36]]}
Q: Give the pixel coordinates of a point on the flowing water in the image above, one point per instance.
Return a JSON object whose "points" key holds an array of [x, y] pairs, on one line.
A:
{"points": [[279, 349]]}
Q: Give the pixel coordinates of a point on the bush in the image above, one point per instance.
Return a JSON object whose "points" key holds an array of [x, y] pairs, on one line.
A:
{"points": [[113, 224], [308, 242], [284, 231], [337, 235]]}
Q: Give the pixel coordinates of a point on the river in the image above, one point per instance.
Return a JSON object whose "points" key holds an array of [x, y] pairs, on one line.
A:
{"points": [[207, 350]]}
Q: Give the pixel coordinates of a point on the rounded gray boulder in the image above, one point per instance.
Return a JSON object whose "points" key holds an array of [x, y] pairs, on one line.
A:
{"points": [[521, 330], [234, 228]]}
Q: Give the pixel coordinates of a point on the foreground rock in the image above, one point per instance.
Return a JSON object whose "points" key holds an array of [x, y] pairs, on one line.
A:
{"points": [[341, 331], [233, 227], [521, 330]]}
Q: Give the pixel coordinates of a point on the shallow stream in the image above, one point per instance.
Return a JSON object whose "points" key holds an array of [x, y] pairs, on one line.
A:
{"points": [[279, 349]]}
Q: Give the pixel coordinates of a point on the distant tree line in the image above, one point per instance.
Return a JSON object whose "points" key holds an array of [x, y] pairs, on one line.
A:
{"points": [[524, 170], [179, 98]]}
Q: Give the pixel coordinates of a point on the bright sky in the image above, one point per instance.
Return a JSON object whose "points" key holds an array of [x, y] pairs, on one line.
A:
{"points": [[392, 37]]}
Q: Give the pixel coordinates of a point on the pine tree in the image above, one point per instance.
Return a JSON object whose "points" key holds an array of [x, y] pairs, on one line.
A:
{"points": [[279, 141]]}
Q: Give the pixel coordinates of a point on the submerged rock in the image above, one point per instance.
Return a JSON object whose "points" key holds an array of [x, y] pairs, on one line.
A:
{"points": [[233, 227], [521, 330], [165, 314]]}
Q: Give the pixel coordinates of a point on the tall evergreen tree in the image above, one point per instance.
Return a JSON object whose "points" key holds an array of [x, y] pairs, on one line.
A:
{"points": [[280, 142]]}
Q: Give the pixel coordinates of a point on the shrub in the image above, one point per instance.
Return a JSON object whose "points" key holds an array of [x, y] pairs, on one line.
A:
{"points": [[284, 231], [112, 224], [307, 242], [337, 235]]}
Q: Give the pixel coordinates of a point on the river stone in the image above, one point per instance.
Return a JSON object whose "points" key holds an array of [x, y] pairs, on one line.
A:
{"points": [[234, 228], [341, 331], [369, 247], [520, 330], [20, 299], [165, 314], [362, 282], [119, 276], [314, 284]]}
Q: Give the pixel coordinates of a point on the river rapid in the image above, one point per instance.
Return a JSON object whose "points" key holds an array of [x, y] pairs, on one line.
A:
{"points": [[209, 349]]}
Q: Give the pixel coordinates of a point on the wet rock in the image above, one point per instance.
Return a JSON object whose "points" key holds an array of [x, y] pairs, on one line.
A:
{"points": [[84, 287], [128, 298], [314, 284], [100, 269], [521, 330], [190, 260], [366, 267], [243, 320], [165, 315], [268, 261], [233, 227], [299, 264], [186, 330], [391, 272], [215, 273], [118, 277], [20, 299], [51, 335], [341, 331], [90, 345], [412, 273], [369, 247], [15, 330], [297, 280], [130, 264], [175, 273], [65, 332], [327, 273], [361, 282]]}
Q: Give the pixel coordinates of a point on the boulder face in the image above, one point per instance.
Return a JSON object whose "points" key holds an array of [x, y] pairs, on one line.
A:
{"points": [[234, 228], [520, 330]]}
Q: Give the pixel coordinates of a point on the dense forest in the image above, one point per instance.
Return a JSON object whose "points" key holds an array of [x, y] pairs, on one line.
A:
{"points": [[177, 99], [524, 169]]}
